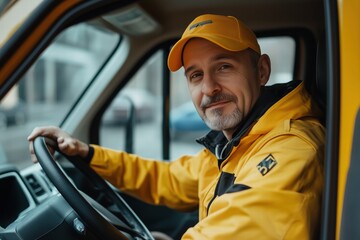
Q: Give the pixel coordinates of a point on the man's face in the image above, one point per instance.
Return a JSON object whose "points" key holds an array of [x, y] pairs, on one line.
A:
{"points": [[224, 85]]}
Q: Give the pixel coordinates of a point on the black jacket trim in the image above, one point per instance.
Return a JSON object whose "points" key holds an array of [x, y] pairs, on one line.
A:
{"points": [[237, 188], [226, 185], [88, 158]]}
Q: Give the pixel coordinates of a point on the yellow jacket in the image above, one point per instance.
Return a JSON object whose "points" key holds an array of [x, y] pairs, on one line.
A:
{"points": [[267, 185]]}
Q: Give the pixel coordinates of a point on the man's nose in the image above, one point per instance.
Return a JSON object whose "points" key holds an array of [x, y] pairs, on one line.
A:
{"points": [[210, 85]]}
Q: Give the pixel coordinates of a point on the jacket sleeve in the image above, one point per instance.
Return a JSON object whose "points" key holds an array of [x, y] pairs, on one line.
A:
{"points": [[282, 204], [174, 184]]}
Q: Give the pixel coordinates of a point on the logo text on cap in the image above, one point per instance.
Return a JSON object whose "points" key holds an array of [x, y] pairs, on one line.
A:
{"points": [[200, 24]]}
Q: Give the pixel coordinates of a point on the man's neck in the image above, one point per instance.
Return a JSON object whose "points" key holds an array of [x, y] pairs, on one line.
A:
{"points": [[228, 133]]}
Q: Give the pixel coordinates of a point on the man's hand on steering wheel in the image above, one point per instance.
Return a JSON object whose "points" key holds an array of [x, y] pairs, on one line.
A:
{"points": [[61, 140]]}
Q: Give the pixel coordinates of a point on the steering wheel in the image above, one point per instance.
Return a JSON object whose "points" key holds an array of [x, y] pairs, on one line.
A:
{"points": [[101, 224]]}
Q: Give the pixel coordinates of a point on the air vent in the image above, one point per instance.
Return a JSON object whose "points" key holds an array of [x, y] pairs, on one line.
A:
{"points": [[35, 186]]}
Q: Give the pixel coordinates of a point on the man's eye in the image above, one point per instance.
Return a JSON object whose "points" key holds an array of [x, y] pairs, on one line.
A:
{"points": [[224, 67], [195, 76]]}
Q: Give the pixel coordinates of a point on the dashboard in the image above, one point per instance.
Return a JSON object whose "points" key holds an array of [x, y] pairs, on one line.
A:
{"points": [[24, 191], [31, 207]]}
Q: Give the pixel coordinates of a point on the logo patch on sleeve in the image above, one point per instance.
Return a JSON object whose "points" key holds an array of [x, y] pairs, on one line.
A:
{"points": [[266, 164]]}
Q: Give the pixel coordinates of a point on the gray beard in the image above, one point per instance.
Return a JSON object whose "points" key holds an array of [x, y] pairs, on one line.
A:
{"points": [[219, 121]]}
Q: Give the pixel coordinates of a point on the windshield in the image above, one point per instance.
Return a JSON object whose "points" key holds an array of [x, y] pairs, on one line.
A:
{"points": [[50, 87]]}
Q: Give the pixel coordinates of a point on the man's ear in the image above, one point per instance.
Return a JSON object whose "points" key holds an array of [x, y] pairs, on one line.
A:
{"points": [[264, 68]]}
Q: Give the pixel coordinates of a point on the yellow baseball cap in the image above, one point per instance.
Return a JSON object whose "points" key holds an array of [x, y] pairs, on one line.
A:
{"points": [[225, 31]]}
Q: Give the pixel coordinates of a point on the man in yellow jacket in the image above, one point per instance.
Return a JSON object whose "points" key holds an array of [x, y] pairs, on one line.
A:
{"points": [[260, 174]]}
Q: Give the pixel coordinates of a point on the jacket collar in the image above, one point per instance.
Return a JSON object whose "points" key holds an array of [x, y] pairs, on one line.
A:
{"points": [[216, 141]]}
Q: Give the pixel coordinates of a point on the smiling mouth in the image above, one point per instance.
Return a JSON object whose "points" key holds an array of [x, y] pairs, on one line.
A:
{"points": [[217, 104]]}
